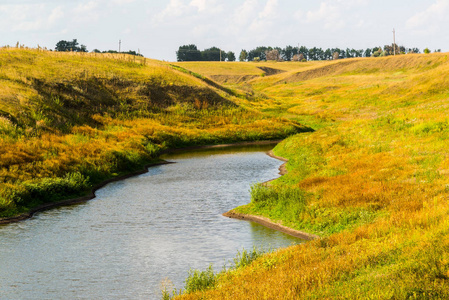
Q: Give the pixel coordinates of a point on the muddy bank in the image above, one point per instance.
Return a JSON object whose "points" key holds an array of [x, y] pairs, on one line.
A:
{"points": [[267, 222]]}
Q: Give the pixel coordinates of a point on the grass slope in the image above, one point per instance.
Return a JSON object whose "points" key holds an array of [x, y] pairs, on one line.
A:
{"points": [[372, 181], [71, 120]]}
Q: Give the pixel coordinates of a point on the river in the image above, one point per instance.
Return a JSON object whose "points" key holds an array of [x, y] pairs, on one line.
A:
{"points": [[138, 231]]}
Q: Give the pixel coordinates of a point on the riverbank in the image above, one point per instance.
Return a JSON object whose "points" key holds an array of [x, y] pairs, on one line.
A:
{"points": [[270, 224], [78, 200]]}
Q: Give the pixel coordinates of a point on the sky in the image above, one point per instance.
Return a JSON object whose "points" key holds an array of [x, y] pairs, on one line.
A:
{"points": [[158, 28]]}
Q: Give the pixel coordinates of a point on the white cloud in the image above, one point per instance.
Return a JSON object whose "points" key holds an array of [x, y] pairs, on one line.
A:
{"points": [[206, 6], [270, 9], [121, 2], [328, 14], [429, 20], [30, 17], [174, 8], [266, 17], [332, 14], [56, 14], [88, 11], [243, 14], [201, 5]]}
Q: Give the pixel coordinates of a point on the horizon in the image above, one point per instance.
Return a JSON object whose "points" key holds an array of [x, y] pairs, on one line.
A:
{"points": [[157, 29]]}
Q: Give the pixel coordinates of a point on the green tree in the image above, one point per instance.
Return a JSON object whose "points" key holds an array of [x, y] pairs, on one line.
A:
{"points": [[213, 54], [230, 56], [258, 52], [287, 53], [188, 53], [243, 55], [427, 51], [70, 46]]}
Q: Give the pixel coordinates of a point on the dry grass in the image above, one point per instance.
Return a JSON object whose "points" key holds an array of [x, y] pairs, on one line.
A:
{"points": [[372, 180]]}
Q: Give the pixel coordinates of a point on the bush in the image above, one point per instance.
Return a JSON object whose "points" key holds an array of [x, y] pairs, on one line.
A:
{"points": [[200, 280], [48, 189]]}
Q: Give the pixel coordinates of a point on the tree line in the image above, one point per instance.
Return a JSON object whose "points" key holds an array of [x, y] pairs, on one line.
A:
{"points": [[302, 53], [290, 53], [191, 53]]}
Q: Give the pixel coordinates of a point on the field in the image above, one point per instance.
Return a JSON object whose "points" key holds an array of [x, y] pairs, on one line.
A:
{"points": [[69, 121], [371, 180]]}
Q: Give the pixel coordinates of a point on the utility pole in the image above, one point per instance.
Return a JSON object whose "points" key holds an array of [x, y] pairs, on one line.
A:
{"points": [[119, 46], [394, 42]]}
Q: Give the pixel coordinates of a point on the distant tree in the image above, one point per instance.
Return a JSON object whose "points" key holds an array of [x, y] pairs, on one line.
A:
{"points": [[272, 55], [305, 52], [316, 53], [188, 53], [377, 51], [130, 52], [367, 52], [70, 46], [258, 52], [427, 51], [213, 54], [298, 57], [243, 55], [287, 53], [328, 54], [96, 51], [230, 56]]}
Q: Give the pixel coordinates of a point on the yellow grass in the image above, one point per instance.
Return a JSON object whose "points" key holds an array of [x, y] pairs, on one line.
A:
{"points": [[374, 176]]}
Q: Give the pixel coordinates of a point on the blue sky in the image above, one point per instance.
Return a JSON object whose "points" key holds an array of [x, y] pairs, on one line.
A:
{"points": [[158, 28]]}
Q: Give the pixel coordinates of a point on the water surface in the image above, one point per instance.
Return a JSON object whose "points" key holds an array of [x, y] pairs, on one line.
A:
{"points": [[138, 231]]}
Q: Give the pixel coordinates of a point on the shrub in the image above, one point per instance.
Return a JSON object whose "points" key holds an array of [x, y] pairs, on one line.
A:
{"points": [[200, 280]]}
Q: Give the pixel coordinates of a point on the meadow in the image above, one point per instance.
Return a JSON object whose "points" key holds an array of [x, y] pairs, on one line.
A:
{"points": [[371, 181], [366, 140], [69, 121]]}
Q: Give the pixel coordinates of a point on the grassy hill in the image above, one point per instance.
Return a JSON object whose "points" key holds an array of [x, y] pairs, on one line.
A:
{"points": [[372, 180], [71, 120]]}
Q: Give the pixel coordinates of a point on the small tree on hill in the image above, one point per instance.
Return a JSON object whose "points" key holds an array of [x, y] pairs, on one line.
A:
{"points": [[230, 56], [188, 53], [298, 57], [243, 55], [70, 46], [272, 55]]}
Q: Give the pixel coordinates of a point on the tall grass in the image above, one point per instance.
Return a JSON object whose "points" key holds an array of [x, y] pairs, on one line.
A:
{"points": [[371, 180]]}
